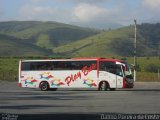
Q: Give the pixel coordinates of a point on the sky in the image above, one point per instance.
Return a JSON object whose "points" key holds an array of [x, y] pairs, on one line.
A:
{"points": [[82, 12]]}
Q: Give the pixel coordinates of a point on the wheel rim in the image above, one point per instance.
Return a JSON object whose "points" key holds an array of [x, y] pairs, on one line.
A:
{"points": [[103, 86], [44, 86]]}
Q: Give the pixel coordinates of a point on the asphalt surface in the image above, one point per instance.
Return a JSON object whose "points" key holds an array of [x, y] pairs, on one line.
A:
{"points": [[144, 98]]}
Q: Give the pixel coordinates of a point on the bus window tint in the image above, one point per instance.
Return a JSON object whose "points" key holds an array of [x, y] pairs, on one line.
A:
{"points": [[46, 65], [104, 66], [111, 67], [25, 66], [119, 71], [72, 65], [56, 65]]}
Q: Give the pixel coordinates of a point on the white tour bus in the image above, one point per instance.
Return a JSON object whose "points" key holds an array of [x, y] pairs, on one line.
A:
{"points": [[101, 73]]}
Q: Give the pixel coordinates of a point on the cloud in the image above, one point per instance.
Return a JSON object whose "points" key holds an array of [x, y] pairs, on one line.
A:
{"points": [[83, 1], [44, 13], [81, 13], [150, 10], [36, 1], [152, 4], [91, 12], [87, 12]]}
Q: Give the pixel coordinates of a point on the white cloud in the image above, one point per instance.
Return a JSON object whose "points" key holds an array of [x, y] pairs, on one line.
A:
{"points": [[33, 12], [44, 13], [150, 10], [86, 12], [36, 0], [83, 1], [153, 4], [92, 12]]}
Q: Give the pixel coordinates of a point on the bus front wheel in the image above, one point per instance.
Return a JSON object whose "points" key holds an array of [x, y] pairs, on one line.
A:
{"points": [[103, 86], [44, 86]]}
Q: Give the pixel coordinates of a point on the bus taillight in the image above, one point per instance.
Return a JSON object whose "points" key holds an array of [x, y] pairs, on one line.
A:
{"points": [[19, 84]]}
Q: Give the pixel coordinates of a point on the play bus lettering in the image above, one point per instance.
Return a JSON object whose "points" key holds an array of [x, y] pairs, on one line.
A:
{"points": [[101, 73], [85, 70]]}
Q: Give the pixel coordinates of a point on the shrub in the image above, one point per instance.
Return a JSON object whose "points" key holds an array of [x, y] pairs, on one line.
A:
{"points": [[151, 68]]}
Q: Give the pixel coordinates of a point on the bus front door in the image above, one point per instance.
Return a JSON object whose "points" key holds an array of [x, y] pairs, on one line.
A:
{"points": [[119, 76]]}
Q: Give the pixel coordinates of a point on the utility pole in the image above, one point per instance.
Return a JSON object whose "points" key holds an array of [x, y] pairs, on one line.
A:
{"points": [[158, 75], [135, 52]]}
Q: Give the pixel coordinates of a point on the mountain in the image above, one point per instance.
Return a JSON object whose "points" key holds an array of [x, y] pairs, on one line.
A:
{"points": [[119, 42], [10, 46], [99, 25], [42, 35], [35, 38]]}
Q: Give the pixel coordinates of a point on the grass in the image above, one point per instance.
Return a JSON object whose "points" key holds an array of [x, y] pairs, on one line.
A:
{"points": [[142, 62], [9, 68], [96, 45]]}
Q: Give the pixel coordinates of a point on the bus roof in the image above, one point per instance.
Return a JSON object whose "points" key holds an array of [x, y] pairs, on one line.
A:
{"points": [[114, 60], [39, 60], [75, 59]]}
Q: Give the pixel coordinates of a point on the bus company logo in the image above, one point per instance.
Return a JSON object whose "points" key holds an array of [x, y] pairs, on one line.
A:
{"points": [[85, 71], [89, 82]]}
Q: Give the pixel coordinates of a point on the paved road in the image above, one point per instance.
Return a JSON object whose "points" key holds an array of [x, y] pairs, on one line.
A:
{"points": [[144, 98]]}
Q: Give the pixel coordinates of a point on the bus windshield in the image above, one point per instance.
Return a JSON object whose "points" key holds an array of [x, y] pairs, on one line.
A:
{"points": [[128, 69]]}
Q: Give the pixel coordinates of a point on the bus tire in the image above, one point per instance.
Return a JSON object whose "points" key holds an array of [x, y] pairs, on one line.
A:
{"points": [[103, 86], [53, 89], [112, 89], [44, 86]]}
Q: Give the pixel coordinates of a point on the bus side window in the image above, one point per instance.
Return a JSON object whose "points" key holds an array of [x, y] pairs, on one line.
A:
{"points": [[32, 67], [102, 66], [112, 70]]}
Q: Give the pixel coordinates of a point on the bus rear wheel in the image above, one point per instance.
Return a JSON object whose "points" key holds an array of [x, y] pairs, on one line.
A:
{"points": [[53, 89], [44, 86], [103, 86]]}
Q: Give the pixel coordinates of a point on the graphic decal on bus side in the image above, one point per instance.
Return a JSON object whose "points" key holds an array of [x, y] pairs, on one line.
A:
{"points": [[54, 81], [89, 82], [85, 71], [46, 75], [30, 81]]}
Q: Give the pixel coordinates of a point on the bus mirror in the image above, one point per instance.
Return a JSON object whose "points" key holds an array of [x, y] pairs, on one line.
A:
{"points": [[133, 67]]}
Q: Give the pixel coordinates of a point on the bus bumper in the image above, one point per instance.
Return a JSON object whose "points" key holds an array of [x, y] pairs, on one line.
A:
{"points": [[19, 84]]}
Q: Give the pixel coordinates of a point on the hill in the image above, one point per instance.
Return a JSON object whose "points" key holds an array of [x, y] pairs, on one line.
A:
{"points": [[119, 42], [52, 38], [38, 38], [10, 46], [45, 34]]}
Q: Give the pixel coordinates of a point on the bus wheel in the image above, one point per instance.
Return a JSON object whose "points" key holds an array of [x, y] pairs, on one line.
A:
{"points": [[44, 86], [112, 89], [53, 89], [103, 86]]}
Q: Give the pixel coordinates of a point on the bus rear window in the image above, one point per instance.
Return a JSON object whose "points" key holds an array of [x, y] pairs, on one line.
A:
{"points": [[26, 66]]}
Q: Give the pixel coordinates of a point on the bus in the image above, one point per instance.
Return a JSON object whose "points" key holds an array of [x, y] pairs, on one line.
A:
{"points": [[100, 73]]}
